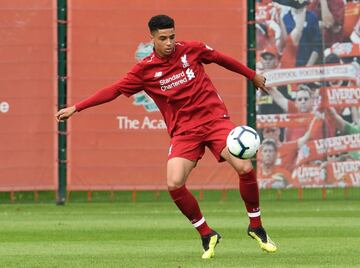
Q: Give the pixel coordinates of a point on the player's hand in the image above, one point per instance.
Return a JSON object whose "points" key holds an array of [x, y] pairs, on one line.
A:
{"points": [[65, 113], [259, 82]]}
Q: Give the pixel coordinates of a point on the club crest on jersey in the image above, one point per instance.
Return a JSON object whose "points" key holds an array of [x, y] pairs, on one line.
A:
{"points": [[184, 61]]}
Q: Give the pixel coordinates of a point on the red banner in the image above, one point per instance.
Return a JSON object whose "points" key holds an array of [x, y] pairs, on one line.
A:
{"points": [[318, 149], [346, 173], [309, 175], [340, 97], [344, 50], [329, 173], [353, 179]]}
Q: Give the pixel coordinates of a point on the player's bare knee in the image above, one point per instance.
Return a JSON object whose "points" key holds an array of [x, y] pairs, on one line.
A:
{"points": [[243, 167], [174, 183], [245, 170]]}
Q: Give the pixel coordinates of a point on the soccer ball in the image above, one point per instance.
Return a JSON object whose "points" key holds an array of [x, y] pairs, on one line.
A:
{"points": [[243, 142]]}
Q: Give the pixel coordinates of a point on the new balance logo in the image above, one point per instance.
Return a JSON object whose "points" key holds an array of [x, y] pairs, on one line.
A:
{"points": [[184, 61], [158, 74], [190, 74]]}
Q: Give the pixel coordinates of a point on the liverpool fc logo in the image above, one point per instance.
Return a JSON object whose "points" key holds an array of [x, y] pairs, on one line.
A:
{"points": [[184, 61], [141, 98]]}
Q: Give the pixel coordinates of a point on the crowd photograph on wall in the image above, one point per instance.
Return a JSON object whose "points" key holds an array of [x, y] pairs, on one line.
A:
{"points": [[309, 118]]}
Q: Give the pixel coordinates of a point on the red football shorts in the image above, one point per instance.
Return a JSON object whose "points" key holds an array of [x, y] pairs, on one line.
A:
{"points": [[191, 143]]}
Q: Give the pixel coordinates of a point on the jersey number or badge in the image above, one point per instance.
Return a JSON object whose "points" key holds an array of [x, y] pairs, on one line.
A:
{"points": [[190, 74], [184, 61]]}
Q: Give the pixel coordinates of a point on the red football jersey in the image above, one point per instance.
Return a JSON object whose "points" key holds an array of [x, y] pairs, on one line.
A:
{"points": [[178, 84]]}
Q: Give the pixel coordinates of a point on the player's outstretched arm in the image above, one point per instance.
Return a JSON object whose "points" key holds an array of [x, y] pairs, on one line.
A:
{"points": [[101, 96], [65, 113]]}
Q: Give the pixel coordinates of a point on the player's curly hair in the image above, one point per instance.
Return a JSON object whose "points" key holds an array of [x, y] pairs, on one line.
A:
{"points": [[159, 22]]}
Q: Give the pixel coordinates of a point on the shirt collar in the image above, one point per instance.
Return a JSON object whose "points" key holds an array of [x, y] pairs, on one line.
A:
{"points": [[165, 58]]}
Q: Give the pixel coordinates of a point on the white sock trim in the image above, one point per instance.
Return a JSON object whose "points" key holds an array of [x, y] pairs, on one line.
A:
{"points": [[254, 214], [198, 223]]}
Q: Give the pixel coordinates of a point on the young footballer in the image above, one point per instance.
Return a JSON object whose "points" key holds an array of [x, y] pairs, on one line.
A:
{"points": [[195, 115]]}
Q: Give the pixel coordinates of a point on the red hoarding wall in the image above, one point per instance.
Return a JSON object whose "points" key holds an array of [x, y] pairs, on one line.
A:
{"points": [[123, 144], [27, 95]]}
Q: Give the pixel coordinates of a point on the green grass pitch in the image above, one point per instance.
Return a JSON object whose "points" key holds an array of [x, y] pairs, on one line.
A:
{"points": [[317, 233]]}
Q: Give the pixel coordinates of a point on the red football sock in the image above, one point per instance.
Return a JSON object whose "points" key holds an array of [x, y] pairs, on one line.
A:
{"points": [[249, 192], [188, 205]]}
